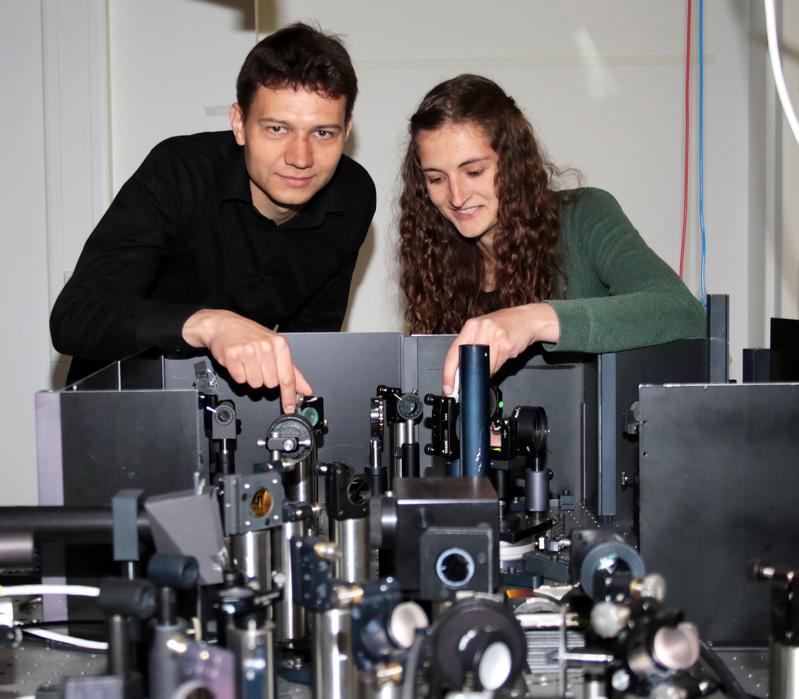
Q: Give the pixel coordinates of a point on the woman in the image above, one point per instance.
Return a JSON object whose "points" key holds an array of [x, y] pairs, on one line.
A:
{"points": [[491, 251]]}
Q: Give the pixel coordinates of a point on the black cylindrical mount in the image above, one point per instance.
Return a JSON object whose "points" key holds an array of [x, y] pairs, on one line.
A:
{"points": [[475, 437], [67, 524]]}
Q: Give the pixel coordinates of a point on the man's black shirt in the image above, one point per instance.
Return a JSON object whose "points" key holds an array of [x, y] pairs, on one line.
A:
{"points": [[183, 234]]}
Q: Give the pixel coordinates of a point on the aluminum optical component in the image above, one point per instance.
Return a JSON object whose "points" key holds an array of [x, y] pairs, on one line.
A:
{"points": [[251, 554], [251, 640], [352, 537], [335, 674], [290, 617]]}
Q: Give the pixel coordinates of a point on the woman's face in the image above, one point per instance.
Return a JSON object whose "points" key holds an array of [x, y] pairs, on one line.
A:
{"points": [[460, 169]]}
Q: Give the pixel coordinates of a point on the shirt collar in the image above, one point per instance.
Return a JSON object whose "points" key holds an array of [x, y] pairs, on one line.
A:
{"points": [[236, 186]]}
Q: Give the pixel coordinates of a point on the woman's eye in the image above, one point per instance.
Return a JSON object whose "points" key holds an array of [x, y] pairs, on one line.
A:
{"points": [[434, 180], [475, 173]]}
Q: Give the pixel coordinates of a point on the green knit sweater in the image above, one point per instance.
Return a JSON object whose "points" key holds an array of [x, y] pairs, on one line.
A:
{"points": [[619, 293]]}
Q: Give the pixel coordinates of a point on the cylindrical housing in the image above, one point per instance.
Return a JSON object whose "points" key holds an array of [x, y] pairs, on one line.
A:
{"points": [[299, 480], [253, 645], [399, 436], [475, 437], [352, 538], [66, 524], [334, 675], [251, 553], [119, 651], [784, 671], [291, 618], [164, 666], [17, 549], [410, 464], [536, 487]]}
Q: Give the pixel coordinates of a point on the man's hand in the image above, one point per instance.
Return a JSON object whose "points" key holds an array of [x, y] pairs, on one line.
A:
{"points": [[251, 353], [507, 332]]}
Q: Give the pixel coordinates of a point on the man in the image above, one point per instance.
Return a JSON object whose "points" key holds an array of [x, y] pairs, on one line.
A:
{"points": [[219, 238]]}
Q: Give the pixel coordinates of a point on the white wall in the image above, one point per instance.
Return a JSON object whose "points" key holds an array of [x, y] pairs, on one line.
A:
{"points": [[24, 350], [601, 81]]}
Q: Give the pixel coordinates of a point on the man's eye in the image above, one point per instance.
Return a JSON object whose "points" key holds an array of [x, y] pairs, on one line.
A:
{"points": [[273, 129], [324, 133]]}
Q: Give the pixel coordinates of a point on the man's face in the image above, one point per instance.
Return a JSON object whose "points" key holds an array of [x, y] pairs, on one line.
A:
{"points": [[293, 140]]}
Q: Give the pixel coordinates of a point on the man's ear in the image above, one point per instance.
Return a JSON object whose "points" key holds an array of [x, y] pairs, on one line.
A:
{"points": [[348, 128], [237, 122]]}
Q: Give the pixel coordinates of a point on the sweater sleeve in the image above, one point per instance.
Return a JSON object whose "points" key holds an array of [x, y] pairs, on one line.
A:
{"points": [[619, 293]]}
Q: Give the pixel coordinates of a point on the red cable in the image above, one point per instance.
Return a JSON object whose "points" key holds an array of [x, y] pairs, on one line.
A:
{"points": [[687, 138]]}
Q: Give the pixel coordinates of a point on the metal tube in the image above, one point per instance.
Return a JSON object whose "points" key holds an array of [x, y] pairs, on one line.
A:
{"points": [[254, 649], [475, 442], [536, 486], [17, 549], [784, 671], [398, 438], [299, 481], [334, 675], [291, 618], [252, 555], [67, 524], [352, 538], [118, 646], [164, 667]]}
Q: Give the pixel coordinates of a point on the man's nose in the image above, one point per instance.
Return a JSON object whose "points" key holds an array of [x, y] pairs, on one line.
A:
{"points": [[299, 152]]}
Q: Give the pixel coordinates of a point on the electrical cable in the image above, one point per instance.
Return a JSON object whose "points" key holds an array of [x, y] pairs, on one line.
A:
{"points": [[67, 640], [687, 138], [63, 622], [702, 292], [776, 68], [26, 590]]}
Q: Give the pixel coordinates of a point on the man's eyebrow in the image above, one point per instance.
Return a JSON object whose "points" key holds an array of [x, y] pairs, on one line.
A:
{"points": [[315, 127]]}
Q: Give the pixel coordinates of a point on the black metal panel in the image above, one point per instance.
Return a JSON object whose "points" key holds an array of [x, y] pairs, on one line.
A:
{"points": [[115, 440], [719, 481], [620, 375], [344, 368]]}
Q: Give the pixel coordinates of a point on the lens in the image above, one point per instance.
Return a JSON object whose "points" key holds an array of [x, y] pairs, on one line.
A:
{"points": [[455, 567], [261, 503]]}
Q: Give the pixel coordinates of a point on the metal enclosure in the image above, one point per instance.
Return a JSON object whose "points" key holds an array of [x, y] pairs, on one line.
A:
{"points": [[136, 424], [718, 484]]}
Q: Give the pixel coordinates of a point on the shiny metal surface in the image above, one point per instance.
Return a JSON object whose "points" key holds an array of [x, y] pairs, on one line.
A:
{"points": [[399, 436], [334, 670], [299, 482], [352, 538], [291, 618], [252, 555], [255, 654], [784, 674]]}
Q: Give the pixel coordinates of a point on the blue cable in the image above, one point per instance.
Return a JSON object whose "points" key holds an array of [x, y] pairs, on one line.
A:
{"points": [[702, 293]]}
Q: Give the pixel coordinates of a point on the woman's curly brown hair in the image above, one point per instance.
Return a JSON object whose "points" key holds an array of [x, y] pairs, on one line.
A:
{"points": [[442, 273]]}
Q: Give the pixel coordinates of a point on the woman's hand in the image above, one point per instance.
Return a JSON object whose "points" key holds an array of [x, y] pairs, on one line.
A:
{"points": [[507, 332]]}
